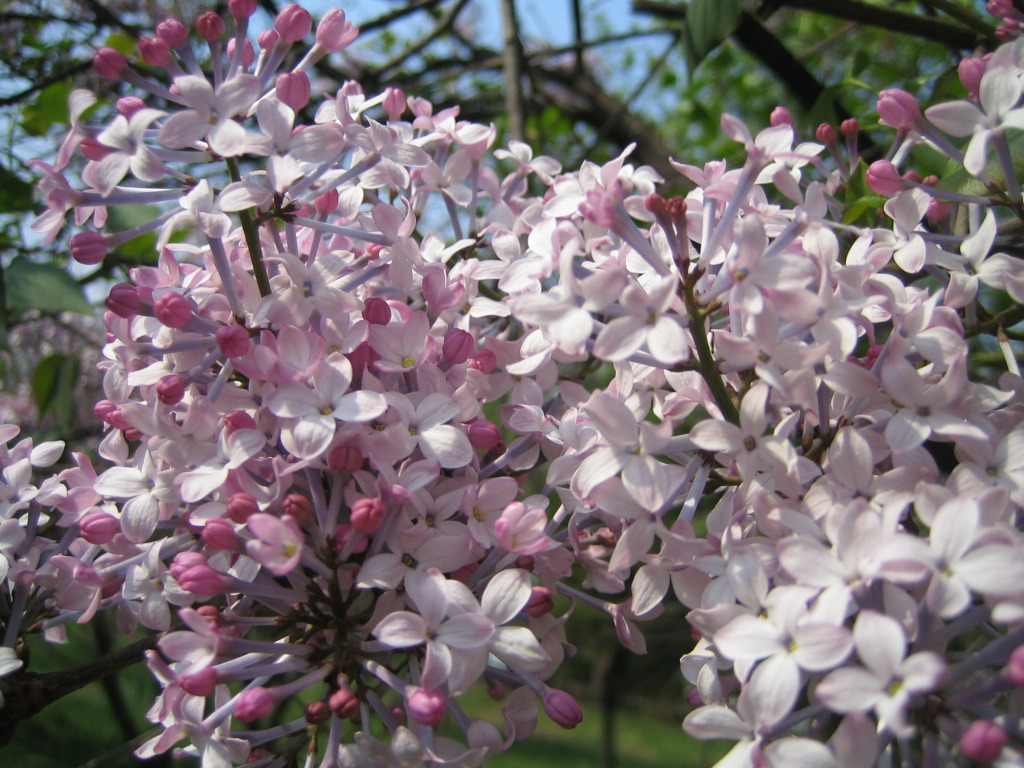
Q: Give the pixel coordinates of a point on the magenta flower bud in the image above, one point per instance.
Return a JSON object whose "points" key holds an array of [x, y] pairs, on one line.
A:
{"points": [[484, 361], [172, 309], [426, 706], [202, 580], [240, 505], [368, 514], [185, 560], [298, 506], [781, 116], [376, 311], [233, 340], [394, 103], [123, 300], [938, 210], [239, 420], [248, 54], [109, 63], [154, 51], [562, 708], [268, 39], [825, 133], [219, 534], [254, 703], [971, 70], [172, 32], [335, 32], [362, 357], [343, 703], [317, 712], [1014, 670], [345, 458], [110, 413], [457, 346], [983, 742], [99, 527], [293, 23], [88, 248], [883, 178], [327, 202], [483, 435], [292, 89], [170, 389], [210, 26], [129, 105], [199, 683], [1000, 8], [898, 108], [540, 603], [850, 127], [242, 9]]}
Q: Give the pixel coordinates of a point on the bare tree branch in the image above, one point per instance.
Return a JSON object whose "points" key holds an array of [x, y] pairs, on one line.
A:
{"points": [[513, 67]]}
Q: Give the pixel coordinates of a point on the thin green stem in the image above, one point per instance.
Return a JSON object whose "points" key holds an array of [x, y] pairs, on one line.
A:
{"points": [[708, 368], [252, 236]]}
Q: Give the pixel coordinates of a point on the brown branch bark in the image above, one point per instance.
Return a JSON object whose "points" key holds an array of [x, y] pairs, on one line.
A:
{"points": [[513, 69]]}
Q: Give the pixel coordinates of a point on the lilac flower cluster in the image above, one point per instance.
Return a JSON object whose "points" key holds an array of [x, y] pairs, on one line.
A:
{"points": [[355, 451]]}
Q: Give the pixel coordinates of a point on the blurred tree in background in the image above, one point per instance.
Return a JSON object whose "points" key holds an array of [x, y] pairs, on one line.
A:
{"points": [[657, 73]]}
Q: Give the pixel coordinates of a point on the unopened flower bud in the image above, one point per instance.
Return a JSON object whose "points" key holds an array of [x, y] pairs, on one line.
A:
{"points": [[248, 54], [457, 346], [254, 703], [242, 9], [345, 458], [335, 32], [376, 311], [240, 505], [540, 603], [172, 309], [1000, 8], [109, 412], [109, 63], [327, 202], [233, 340], [983, 742], [343, 703], [562, 708], [199, 683], [202, 580], [850, 127], [218, 534], [170, 389], [293, 23], [99, 527], [1014, 669], [898, 108], [484, 361], [185, 560], [292, 89], [123, 300], [938, 210], [172, 32], [971, 70], [394, 103], [211, 614], [780, 116], [298, 506], [825, 133], [426, 706], [883, 178], [268, 39], [368, 514], [483, 434], [362, 357], [129, 105], [317, 712], [154, 51], [210, 26], [237, 420], [88, 248]]}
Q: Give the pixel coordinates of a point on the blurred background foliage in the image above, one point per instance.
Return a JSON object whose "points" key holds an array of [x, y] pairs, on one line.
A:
{"points": [[577, 79]]}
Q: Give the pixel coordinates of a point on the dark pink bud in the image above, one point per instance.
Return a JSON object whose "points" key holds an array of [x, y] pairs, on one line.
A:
{"points": [[99, 527], [1000, 8], [693, 698], [123, 300], [825, 133], [240, 505], [458, 345], [212, 615], [233, 340], [268, 39], [343, 703], [292, 89], [912, 176], [172, 309], [850, 127], [343, 534], [172, 32], [185, 560], [327, 202], [109, 63], [368, 514], [983, 742], [199, 683], [655, 203], [971, 71], [219, 534], [376, 311], [298, 506], [362, 356], [394, 103], [210, 26], [1014, 670], [781, 116], [242, 9], [335, 32], [202, 580], [248, 54], [129, 105], [293, 23], [898, 108], [938, 210], [426, 706], [883, 178], [483, 435], [525, 562], [154, 51], [540, 603], [170, 389], [110, 413], [254, 703], [239, 420], [345, 458], [562, 708], [88, 248], [484, 361], [317, 712]]}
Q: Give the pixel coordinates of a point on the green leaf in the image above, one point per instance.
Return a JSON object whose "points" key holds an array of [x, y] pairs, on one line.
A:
{"points": [[957, 179], [15, 194], [121, 42], [124, 217], [50, 108], [46, 287], [64, 396], [44, 381], [708, 23]]}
